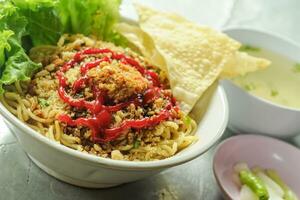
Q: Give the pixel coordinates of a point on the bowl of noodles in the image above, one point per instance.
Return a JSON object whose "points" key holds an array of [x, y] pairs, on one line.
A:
{"points": [[101, 111], [138, 134]]}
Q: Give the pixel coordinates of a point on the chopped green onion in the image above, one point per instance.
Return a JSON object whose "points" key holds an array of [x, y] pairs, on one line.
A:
{"points": [[249, 87], [296, 68], [136, 144], [249, 48], [43, 102], [274, 93], [79, 95], [254, 183], [187, 120]]}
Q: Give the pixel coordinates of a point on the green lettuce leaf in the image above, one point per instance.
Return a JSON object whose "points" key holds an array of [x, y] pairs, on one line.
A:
{"points": [[44, 26], [15, 63], [33, 4], [10, 19], [18, 66], [4, 45], [91, 17]]}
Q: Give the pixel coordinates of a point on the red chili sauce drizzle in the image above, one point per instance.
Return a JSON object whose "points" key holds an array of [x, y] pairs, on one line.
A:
{"points": [[102, 114]]}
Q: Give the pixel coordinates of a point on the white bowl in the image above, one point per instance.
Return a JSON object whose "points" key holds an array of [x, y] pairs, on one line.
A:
{"points": [[91, 171], [251, 114]]}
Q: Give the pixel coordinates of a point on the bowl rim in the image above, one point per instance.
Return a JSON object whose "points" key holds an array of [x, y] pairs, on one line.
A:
{"points": [[244, 137], [121, 164], [274, 36]]}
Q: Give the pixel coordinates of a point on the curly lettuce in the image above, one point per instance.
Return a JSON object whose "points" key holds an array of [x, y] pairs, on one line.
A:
{"points": [[43, 22], [15, 65], [91, 17], [4, 45], [18, 66]]}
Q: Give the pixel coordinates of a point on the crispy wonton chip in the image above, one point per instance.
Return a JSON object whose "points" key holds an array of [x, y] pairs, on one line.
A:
{"points": [[144, 43], [242, 63], [194, 56]]}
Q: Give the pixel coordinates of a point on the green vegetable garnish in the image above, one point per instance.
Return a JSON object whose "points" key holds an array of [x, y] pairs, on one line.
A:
{"points": [[288, 193], [249, 87], [254, 183], [136, 144], [96, 17], [187, 120], [249, 48], [15, 65], [296, 68], [43, 102], [4, 45], [274, 93]]}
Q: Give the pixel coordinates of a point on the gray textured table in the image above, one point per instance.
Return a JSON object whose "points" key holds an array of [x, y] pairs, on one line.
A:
{"points": [[20, 179]]}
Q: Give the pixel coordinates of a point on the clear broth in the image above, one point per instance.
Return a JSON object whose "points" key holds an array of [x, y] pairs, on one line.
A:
{"points": [[279, 83]]}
